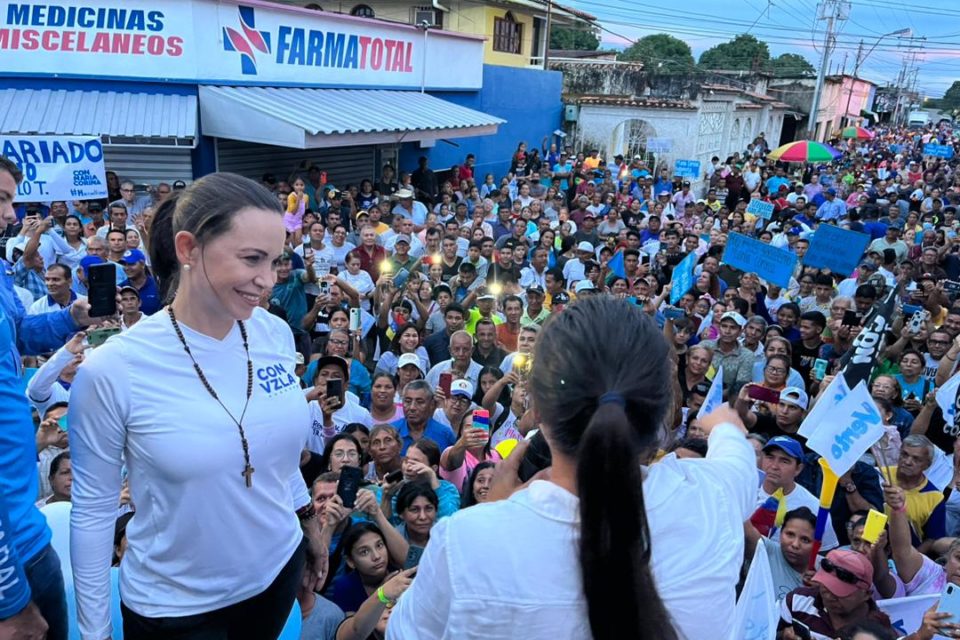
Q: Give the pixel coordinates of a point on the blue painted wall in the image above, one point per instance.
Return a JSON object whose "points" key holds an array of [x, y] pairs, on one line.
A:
{"points": [[528, 99]]}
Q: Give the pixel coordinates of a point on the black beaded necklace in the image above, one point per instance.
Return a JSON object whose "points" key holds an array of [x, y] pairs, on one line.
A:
{"points": [[247, 468]]}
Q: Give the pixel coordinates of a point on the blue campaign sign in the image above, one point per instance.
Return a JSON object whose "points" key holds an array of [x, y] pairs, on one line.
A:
{"points": [[770, 263], [760, 208], [687, 169], [836, 249], [938, 150], [682, 278]]}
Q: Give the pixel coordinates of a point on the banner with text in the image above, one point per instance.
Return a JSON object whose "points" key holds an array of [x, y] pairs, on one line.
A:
{"points": [[938, 150], [853, 426], [57, 167], [687, 169], [223, 41], [836, 249], [682, 278], [770, 263], [760, 208]]}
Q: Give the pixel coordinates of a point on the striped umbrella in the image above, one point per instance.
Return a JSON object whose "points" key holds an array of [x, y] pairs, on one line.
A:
{"points": [[805, 151], [856, 132]]}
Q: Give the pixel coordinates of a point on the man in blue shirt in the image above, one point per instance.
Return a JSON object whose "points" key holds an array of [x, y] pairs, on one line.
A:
{"points": [[418, 422], [32, 600], [135, 266], [832, 208], [773, 184]]}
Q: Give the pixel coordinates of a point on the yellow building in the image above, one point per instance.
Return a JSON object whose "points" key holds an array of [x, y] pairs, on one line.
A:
{"points": [[516, 30]]}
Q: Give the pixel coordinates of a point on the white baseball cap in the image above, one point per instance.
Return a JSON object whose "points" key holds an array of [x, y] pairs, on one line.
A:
{"points": [[461, 387], [410, 358]]}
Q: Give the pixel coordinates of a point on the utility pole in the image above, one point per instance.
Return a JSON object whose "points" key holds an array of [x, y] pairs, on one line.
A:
{"points": [[546, 46], [830, 10]]}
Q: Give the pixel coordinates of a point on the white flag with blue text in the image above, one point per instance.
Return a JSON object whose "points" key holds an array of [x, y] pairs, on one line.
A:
{"points": [[853, 426], [756, 615], [715, 395]]}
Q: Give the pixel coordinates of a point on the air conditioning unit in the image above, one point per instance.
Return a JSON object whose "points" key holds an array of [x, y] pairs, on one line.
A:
{"points": [[425, 15]]}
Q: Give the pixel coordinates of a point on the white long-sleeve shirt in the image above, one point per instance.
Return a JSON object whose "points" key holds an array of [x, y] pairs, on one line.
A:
{"points": [[200, 539], [468, 589], [44, 388]]}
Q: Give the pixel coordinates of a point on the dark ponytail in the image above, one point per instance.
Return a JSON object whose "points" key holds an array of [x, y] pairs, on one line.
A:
{"points": [[206, 209], [600, 373]]}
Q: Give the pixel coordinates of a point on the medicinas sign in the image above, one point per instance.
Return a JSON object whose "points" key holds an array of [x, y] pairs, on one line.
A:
{"points": [[57, 167], [224, 42]]}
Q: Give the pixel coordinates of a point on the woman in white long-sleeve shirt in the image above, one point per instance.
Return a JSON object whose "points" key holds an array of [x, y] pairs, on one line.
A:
{"points": [[201, 404], [606, 548]]}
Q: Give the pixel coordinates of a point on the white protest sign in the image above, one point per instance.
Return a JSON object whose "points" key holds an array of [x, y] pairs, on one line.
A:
{"points": [[947, 397], [852, 427], [715, 395], [836, 391], [57, 167], [906, 614], [756, 615]]}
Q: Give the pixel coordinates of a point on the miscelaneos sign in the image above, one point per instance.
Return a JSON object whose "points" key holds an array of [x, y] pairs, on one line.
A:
{"points": [[224, 42]]}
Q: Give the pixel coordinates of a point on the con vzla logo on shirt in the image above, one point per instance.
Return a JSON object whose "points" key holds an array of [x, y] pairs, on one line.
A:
{"points": [[275, 379]]}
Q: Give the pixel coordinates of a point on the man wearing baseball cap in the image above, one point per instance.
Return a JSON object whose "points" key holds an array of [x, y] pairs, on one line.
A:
{"points": [[781, 462], [135, 266], [455, 405], [785, 421], [736, 360], [841, 596], [575, 270]]}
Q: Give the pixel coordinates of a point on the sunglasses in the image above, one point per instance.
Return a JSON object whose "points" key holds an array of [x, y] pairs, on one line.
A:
{"points": [[842, 574]]}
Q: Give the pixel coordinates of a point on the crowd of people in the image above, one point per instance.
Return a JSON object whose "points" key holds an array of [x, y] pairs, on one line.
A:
{"points": [[357, 398]]}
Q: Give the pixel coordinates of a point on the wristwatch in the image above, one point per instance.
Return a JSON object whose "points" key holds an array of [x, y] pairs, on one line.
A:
{"points": [[850, 487]]}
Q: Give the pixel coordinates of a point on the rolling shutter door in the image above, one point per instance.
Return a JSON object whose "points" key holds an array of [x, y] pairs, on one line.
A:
{"points": [[344, 165], [148, 164]]}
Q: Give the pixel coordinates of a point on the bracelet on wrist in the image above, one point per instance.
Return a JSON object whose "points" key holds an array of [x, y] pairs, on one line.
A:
{"points": [[383, 598], [306, 512]]}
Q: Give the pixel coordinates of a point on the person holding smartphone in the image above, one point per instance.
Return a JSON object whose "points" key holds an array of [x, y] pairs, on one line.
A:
{"points": [[34, 603]]}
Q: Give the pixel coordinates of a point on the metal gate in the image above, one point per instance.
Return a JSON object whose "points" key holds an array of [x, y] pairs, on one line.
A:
{"points": [[149, 164], [344, 165]]}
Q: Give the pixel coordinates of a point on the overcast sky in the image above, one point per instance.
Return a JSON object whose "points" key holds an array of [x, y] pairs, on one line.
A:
{"points": [[790, 26]]}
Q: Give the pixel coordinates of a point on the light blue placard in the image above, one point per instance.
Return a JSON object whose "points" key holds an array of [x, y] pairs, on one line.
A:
{"points": [[770, 263], [659, 145], [682, 278], [687, 169], [760, 208], [836, 249], [938, 150]]}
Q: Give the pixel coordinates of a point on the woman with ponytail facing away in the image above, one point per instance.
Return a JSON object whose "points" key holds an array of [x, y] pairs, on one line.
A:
{"points": [[606, 548]]}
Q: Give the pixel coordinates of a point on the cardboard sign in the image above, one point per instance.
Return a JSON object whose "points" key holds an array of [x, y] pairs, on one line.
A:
{"points": [[839, 250], [770, 263], [682, 278], [760, 208], [57, 167], [687, 169]]}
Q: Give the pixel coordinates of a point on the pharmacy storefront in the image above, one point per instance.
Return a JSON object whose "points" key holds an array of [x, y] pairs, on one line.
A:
{"points": [[179, 88]]}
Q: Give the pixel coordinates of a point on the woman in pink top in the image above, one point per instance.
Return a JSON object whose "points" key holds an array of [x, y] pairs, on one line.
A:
{"points": [[470, 449]]}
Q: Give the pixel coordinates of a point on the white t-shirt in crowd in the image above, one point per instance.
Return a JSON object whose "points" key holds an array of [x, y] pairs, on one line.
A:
{"points": [[351, 411], [473, 372], [696, 555], [201, 539]]}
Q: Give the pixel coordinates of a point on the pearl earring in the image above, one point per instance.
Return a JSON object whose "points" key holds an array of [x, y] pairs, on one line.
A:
{"points": [[186, 267]]}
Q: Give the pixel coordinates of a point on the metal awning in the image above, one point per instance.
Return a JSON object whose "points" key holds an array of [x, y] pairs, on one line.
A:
{"points": [[305, 118], [118, 117]]}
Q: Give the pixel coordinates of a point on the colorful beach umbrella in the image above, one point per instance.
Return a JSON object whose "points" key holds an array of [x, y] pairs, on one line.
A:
{"points": [[856, 132], [805, 151]]}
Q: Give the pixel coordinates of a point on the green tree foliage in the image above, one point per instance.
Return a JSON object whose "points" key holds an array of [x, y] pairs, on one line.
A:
{"points": [[951, 99], [743, 53], [660, 53], [791, 64], [573, 39]]}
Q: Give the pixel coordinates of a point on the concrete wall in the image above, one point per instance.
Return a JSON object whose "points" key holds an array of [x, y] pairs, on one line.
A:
{"points": [[585, 78], [528, 99], [465, 16], [606, 128]]}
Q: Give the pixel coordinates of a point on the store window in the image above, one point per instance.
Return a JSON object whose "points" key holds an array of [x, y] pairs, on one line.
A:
{"points": [[507, 34], [362, 11]]}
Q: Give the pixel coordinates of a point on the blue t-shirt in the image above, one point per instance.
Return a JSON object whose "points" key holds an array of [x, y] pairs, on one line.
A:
{"points": [[291, 296], [439, 433], [149, 295]]}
